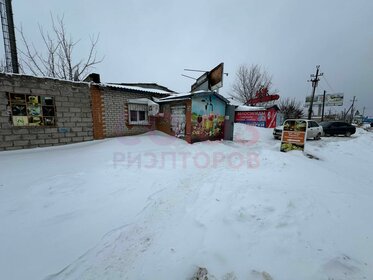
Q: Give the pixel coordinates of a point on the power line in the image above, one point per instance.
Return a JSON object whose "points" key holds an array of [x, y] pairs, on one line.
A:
{"points": [[330, 87]]}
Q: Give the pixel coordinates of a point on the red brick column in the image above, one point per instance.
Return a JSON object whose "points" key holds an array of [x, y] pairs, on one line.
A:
{"points": [[98, 111]]}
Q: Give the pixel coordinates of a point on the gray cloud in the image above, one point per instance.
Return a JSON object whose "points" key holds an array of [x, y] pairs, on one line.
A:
{"points": [[153, 41]]}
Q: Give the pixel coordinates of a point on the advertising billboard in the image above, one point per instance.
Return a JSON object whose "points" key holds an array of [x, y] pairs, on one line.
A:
{"points": [[264, 118], [210, 80], [216, 77], [335, 99], [257, 118], [293, 135]]}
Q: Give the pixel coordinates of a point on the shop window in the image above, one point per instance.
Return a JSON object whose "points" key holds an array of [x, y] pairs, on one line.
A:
{"points": [[138, 114], [31, 110]]}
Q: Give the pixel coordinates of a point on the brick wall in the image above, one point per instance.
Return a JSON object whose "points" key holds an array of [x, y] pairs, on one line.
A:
{"points": [[116, 112], [98, 113], [73, 112]]}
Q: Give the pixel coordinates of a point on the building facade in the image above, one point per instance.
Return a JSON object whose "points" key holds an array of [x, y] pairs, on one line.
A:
{"points": [[124, 109], [195, 117], [40, 112]]}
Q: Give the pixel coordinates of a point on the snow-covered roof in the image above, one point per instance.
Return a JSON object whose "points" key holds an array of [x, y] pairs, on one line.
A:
{"points": [[141, 87], [221, 97], [183, 96], [141, 101], [176, 96], [245, 108], [44, 78]]}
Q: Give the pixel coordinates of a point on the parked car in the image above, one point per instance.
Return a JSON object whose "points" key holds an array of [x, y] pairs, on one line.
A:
{"points": [[314, 130], [338, 128]]}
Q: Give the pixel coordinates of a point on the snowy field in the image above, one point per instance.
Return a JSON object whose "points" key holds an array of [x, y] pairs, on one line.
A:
{"points": [[153, 207]]}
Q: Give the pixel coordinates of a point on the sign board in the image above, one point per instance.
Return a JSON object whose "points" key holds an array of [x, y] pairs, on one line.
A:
{"points": [[262, 96], [335, 99], [263, 118], [293, 135], [216, 77], [210, 80], [257, 118]]}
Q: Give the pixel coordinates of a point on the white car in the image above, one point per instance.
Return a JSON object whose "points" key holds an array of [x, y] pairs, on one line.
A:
{"points": [[314, 130]]}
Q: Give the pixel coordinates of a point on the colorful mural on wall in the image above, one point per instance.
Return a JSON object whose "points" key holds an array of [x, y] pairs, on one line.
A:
{"points": [[208, 114]]}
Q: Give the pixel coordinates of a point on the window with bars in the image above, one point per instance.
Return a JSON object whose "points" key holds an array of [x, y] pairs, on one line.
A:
{"points": [[138, 114], [31, 110]]}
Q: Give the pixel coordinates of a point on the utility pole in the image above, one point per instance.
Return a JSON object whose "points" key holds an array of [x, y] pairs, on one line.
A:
{"points": [[323, 106], [6, 14], [352, 109], [314, 81]]}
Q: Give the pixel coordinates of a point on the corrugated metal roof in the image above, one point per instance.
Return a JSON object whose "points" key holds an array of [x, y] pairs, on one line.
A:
{"points": [[141, 87], [245, 108], [183, 96]]}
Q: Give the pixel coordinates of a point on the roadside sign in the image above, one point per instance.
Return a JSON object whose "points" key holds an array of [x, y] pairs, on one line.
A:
{"points": [[331, 99], [293, 135]]}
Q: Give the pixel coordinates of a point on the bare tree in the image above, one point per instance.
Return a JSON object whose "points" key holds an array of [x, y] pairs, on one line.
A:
{"points": [[57, 60], [290, 108], [249, 81]]}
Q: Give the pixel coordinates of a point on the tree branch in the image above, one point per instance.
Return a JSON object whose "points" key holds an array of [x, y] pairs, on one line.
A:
{"points": [[57, 59]]}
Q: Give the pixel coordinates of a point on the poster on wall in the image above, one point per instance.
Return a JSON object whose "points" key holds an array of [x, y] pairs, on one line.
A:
{"points": [[271, 118], [208, 115], [293, 135], [31, 110], [34, 121], [20, 120], [33, 99], [178, 121], [262, 118], [254, 118]]}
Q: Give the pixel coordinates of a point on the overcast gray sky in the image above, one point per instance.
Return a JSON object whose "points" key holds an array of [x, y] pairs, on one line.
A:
{"points": [[154, 40]]}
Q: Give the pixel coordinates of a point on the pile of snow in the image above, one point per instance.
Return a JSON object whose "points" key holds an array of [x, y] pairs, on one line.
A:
{"points": [[246, 108], [155, 207]]}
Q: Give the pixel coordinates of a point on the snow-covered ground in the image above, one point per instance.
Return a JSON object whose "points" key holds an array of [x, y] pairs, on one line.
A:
{"points": [[155, 207]]}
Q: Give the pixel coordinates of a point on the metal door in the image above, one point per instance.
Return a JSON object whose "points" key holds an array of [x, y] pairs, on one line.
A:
{"points": [[229, 122], [178, 121]]}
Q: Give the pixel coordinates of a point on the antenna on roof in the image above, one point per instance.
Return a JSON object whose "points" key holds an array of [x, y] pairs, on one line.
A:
{"points": [[202, 71], [189, 77]]}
